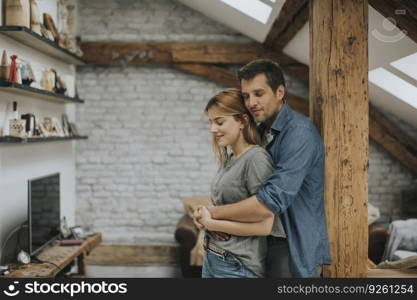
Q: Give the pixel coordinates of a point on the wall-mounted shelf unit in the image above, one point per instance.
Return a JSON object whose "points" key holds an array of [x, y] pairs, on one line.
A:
{"points": [[35, 41], [25, 90], [17, 140]]}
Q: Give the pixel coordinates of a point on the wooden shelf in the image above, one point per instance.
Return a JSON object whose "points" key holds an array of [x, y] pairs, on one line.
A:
{"points": [[58, 255], [25, 90], [38, 42], [17, 140]]}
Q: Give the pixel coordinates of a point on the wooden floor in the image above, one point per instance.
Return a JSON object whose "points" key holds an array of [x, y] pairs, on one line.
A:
{"points": [[162, 261], [134, 271], [134, 254], [173, 271], [391, 273]]}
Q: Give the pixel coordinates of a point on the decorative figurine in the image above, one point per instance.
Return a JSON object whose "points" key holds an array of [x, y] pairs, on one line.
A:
{"points": [[63, 23], [4, 67], [26, 73], [13, 69], [17, 13], [48, 21], [35, 19], [73, 45]]}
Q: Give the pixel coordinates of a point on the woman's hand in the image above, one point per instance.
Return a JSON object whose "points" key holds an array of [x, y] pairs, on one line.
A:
{"points": [[197, 219], [201, 224], [205, 217]]}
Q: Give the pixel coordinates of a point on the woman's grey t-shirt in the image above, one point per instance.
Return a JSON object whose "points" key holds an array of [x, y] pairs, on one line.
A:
{"points": [[236, 180]]}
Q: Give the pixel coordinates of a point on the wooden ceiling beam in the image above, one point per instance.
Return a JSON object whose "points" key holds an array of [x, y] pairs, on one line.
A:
{"points": [[132, 53], [292, 17], [382, 131], [229, 79], [295, 13], [393, 140], [404, 12], [210, 72]]}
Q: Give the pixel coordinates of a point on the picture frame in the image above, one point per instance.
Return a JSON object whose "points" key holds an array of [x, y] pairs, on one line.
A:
{"points": [[43, 132], [46, 127], [56, 128], [73, 129], [65, 125], [78, 232]]}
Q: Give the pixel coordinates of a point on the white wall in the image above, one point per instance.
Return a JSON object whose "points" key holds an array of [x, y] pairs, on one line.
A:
{"points": [[20, 162]]}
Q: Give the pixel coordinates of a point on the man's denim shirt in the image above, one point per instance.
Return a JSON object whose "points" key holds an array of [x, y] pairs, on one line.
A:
{"points": [[295, 189]]}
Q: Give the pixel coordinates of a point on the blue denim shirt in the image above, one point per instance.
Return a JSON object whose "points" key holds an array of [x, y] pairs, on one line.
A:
{"points": [[295, 189]]}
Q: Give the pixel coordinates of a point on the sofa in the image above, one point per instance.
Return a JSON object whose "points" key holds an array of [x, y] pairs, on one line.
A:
{"points": [[186, 235]]}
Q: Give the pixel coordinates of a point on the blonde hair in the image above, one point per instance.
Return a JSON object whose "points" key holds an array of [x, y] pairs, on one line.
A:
{"points": [[230, 102]]}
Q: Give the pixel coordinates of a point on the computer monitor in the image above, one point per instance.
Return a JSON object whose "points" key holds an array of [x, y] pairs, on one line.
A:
{"points": [[43, 211]]}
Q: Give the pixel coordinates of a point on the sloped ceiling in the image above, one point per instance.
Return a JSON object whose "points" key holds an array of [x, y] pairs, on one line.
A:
{"points": [[390, 89], [387, 44], [240, 22]]}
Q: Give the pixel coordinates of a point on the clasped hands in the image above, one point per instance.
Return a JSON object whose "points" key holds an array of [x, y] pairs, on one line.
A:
{"points": [[202, 219]]}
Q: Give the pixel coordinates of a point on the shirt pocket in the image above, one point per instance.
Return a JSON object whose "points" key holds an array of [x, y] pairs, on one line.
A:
{"points": [[237, 182], [234, 191]]}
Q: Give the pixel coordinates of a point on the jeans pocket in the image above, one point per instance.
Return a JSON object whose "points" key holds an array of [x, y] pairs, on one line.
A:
{"points": [[224, 262], [224, 266], [233, 260]]}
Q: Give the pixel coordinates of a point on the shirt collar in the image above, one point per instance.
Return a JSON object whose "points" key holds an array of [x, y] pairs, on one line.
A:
{"points": [[280, 120]]}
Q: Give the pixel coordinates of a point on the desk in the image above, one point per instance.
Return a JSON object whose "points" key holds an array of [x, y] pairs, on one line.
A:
{"points": [[62, 256]]}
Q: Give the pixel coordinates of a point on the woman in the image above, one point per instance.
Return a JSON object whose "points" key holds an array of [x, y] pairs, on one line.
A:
{"points": [[241, 173]]}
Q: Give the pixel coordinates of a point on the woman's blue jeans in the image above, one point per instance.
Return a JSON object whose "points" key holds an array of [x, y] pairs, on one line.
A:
{"points": [[224, 266]]}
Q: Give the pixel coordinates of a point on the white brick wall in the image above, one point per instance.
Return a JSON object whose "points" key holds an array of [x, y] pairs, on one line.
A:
{"points": [[148, 20], [387, 178], [148, 143], [148, 147]]}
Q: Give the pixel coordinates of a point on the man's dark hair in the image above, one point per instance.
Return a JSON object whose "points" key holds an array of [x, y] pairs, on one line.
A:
{"points": [[271, 69]]}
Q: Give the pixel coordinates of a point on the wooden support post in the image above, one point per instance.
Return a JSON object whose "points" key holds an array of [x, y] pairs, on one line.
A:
{"points": [[339, 109], [82, 264]]}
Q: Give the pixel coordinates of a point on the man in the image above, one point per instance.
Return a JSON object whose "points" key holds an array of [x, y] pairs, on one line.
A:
{"points": [[294, 191]]}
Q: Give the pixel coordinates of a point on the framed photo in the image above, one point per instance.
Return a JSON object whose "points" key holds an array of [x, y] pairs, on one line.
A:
{"points": [[42, 130], [78, 232], [65, 125], [73, 129], [56, 128]]}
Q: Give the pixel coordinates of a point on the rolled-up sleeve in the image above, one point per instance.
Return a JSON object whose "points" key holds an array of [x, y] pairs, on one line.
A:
{"points": [[294, 156]]}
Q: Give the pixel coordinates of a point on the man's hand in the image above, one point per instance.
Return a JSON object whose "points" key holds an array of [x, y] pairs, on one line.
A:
{"points": [[220, 236]]}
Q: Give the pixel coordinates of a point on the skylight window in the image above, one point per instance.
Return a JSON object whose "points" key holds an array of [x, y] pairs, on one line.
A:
{"points": [[394, 85], [407, 65], [252, 8]]}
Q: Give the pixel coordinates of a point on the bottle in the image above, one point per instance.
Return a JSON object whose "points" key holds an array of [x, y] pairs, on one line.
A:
{"points": [[4, 67], [12, 115], [15, 113]]}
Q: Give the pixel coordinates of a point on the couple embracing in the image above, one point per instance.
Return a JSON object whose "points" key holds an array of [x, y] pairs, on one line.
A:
{"points": [[267, 217]]}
